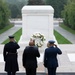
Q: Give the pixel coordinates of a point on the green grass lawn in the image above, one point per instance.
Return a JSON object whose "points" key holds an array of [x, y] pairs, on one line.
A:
{"points": [[6, 28], [67, 28], [60, 39], [17, 36]]}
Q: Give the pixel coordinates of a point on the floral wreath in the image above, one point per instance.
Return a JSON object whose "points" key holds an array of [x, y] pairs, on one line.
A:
{"points": [[39, 39]]}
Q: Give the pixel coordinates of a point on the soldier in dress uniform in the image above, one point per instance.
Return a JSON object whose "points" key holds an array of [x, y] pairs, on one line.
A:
{"points": [[10, 56], [50, 57]]}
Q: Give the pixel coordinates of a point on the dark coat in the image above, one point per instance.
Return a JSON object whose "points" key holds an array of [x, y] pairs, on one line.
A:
{"points": [[29, 57], [10, 56], [50, 57]]}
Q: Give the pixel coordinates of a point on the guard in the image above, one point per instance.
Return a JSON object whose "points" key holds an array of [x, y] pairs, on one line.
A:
{"points": [[10, 56]]}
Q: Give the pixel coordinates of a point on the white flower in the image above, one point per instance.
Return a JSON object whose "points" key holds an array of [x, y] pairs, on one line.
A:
{"points": [[39, 39]]}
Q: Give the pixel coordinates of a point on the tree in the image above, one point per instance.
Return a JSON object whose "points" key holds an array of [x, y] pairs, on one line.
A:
{"points": [[16, 1], [64, 14], [4, 14], [36, 2], [58, 6], [69, 10], [15, 7], [14, 10]]}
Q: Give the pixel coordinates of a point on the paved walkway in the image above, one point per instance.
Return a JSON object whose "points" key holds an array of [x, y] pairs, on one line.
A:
{"points": [[11, 31], [65, 64], [66, 34]]}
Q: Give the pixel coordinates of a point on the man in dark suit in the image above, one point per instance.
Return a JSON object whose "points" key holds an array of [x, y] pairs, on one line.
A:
{"points": [[50, 57], [10, 56], [29, 58]]}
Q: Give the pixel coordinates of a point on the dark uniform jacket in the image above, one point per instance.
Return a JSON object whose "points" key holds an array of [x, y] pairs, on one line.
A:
{"points": [[10, 56], [29, 57], [50, 57]]}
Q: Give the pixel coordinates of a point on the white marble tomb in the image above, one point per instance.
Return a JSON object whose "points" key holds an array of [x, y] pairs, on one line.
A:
{"points": [[37, 19]]}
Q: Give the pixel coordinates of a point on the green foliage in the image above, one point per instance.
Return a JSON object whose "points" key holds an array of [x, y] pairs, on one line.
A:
{"points": [[16, 1], [36, 2], [4, 14], [58, 6], [65, 15], [14, 10], [69, 14], [15, 7], [60, 39]]}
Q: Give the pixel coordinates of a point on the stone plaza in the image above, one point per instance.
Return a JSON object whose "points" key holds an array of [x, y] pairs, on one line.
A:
{"points": [[66, 60]]}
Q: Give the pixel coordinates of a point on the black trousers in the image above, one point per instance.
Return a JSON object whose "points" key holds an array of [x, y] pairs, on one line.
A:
{"points": [[11, 73], [30, 71], [52, 71]]}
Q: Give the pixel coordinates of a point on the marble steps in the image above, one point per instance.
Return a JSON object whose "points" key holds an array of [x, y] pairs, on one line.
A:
{"points": [[67, 73]]}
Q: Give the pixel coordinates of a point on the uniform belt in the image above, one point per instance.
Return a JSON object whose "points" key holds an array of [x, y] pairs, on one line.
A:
{"points": [[12, 53]]}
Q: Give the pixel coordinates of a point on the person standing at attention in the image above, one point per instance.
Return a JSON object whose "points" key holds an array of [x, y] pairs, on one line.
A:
{"points": [[29, 58], [10, 56], [50, 57]]}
